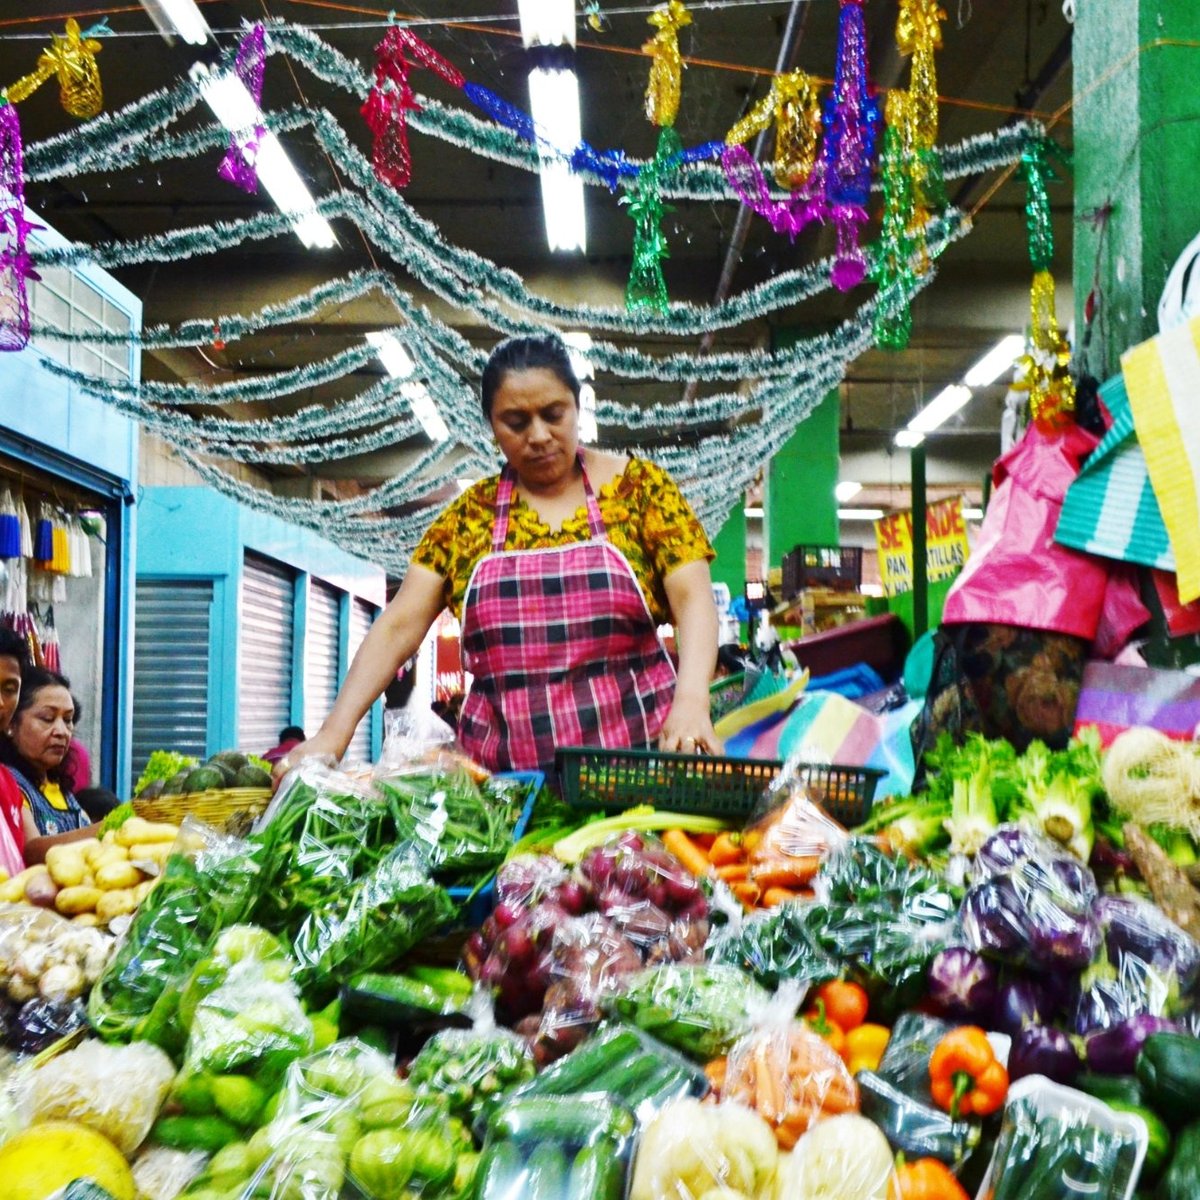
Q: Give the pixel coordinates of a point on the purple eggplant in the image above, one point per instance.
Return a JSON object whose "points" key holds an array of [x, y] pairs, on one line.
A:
{"points": [[1021, 1002], [1043, 1050], [993, 918], [1138, 929], [1114, 1051], [961, 983], [1060, 940], [1006, 847]]}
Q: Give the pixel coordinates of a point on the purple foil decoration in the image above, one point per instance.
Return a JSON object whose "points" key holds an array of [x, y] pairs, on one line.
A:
{"points": [[851, 120], [240, 164], [16, 267], [789, 216]]}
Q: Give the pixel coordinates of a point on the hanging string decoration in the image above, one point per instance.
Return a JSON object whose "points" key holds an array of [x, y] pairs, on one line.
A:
{"points": [[647, 288], [919, 36], [392, 99], [851, 128], [793, 106], [666, 71], [71, 57], [897, 257], [240, 164], [16, 268], [1044, 368], [1038, 172]]}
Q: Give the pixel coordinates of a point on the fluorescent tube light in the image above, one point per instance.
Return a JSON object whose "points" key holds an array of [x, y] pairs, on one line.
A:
{"points": [[859, 514], [234, 107], [754, 513], [396, 360], [907, 438], [178, 18], [579, 342], [847, 490], [547, 22], [972, 514], [554, 100], [588, 430], [941, 408], [996, 362]]}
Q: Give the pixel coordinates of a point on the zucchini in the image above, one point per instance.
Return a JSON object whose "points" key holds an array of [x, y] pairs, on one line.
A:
{"points": [[1168, 1067], [668, 1083], [560, 1119], [624, 1078], [546, 1173], [580, 1069], [1108, 1088], [501, 1173], [596, 1174]]}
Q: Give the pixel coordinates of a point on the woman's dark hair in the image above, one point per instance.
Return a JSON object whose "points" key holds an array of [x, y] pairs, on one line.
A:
{"points": [[291, 733], [13, 645], [33, 679], [544, 351]]}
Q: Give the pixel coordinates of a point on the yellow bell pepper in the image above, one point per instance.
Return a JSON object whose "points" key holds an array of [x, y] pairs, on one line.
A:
{"points": [[865, 1046]]}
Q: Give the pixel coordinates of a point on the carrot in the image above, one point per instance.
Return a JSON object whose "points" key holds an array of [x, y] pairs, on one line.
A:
{"points": [[726, 850], [786, 872], [715, 1073], [778, 895], [768, 1098], [734, 872], [703, 840], [748, 893], [689, 854]]}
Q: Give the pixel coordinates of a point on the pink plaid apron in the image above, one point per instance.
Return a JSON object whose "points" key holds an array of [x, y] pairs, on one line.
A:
{"points": [[562, 647]]}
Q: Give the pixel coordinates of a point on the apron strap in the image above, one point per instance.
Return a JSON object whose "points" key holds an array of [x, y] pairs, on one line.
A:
{"points": [[504, 495]]}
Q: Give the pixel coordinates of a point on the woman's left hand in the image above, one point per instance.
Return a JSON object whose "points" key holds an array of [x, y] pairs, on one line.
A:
{"points": [[688, 728]]}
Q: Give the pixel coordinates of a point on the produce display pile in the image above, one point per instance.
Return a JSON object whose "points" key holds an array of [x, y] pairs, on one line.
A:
{"points": [[987, 991]]}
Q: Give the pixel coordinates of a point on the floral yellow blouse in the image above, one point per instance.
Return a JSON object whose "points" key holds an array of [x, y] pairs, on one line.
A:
{"points": [[645, 514]]}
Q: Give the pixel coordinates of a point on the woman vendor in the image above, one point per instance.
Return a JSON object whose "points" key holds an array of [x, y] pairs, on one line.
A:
{"points": [[561, 569], [35, 751], [14, 656]]}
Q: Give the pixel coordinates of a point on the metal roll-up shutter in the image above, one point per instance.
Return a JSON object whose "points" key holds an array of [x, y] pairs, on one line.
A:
{"points": [[361, 616], [265, 640], [170, 668], [321, 667]]}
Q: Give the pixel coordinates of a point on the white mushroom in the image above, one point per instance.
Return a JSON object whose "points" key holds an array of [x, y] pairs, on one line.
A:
{"points": [[62, 982]]}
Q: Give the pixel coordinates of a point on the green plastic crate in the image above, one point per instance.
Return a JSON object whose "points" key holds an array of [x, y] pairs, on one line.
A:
{"points": [[614, 780]]}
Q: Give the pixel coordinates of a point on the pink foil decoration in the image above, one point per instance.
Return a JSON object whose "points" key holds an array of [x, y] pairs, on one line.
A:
{"points": [[392, 99], [789, 216], [240, 164], [16, 267]]}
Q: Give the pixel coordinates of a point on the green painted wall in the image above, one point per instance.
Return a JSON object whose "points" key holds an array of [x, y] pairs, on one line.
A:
{"points": [[1137, 145], [799, 507], [730, 544]]}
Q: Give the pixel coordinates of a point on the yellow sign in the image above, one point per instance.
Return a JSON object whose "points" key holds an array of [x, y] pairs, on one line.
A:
{"points": [[945, 545]]}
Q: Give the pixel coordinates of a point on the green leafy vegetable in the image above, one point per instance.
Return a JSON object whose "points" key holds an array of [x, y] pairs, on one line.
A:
{"points": [[162, 764]]}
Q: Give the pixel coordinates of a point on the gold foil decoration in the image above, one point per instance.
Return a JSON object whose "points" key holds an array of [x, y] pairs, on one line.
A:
{"points": [[793, 103], [666, 71], [72, 57], [919, 34], [1045, 366]]}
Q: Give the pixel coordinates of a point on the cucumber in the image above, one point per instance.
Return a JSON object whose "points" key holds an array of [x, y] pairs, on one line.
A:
{"points": [[501, 1173], [596, 1174], [447, 980], [546, 1173], [1124, 1088], [624, 1078], [401, 990], [580, 1069], [560, 1119], [668, 1083]]}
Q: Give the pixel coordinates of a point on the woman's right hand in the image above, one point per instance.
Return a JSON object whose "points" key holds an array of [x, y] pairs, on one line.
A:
{"points": [[320, 745]]}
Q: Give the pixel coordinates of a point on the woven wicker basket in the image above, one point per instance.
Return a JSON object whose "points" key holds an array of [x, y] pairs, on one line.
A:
{"points": [[231, 809]]}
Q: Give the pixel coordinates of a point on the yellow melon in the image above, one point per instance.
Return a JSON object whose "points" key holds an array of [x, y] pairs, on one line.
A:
{"points": [[46, 1157]]}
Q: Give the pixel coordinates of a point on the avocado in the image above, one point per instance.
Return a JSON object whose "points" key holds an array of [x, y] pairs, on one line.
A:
{"points": [[251, 776], [201, 779], [235, 760], [152, 790], [177, 784]]}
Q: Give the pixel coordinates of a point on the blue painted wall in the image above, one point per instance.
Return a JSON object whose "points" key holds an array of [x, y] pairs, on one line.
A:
{"points": [[196, 533], [54, 427]]}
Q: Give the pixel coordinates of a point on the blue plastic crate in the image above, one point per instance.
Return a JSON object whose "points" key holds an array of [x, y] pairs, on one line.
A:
{"points": [[475, 909]]}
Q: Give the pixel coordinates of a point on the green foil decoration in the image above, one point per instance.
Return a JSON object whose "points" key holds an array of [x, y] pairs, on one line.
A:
{"points": [[1039, 230], [892, 265], [647, 288]]}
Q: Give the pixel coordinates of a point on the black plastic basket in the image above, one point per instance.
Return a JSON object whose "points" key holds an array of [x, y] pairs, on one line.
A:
{"points": [[614, 780], [835, 567]]}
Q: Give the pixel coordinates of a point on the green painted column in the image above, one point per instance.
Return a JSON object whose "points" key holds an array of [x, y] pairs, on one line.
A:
{"points": [[1137, 143], [799, 507], [729, 566]]}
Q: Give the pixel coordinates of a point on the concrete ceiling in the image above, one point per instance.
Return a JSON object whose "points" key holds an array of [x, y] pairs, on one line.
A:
{"points": [[999, 56]]}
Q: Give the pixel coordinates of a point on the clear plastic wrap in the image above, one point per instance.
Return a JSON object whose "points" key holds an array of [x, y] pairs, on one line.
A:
{"points": [[555, 1147], [844, 1155], [1030, 903], [790, 838], [1145, 964], [160, 1173], [1058, 1144], [691, 1150], [115, 1090], [699, 1009], [441, 809], [209, 882], [374, 921], [788, 1075], [46, 963]]}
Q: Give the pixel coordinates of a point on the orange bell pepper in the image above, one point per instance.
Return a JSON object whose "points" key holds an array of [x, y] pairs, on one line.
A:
{"points": [[846, 1003], [965, 1078], [865, 1046], [817, 1019], [925, 1179]]}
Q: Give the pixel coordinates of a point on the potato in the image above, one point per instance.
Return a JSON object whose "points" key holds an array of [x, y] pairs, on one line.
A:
{"points": [[115, 904], [72, 901], [12, 891], [109, 854], [115, 876], [41, 890], [151, 852], [88, 920], [109, 839], [136, 830], [66, 865], [143, 890]]}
